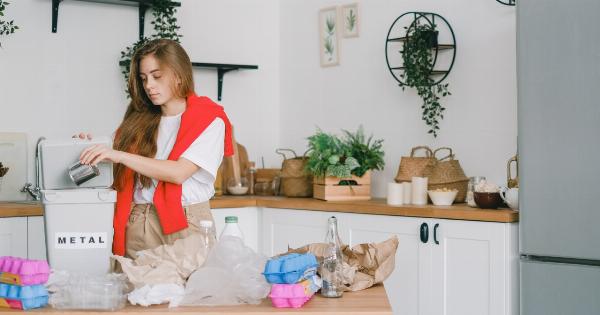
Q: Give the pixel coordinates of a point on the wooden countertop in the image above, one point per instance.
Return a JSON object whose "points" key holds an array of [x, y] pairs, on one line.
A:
{"points": [[370, 301], [375, 206]]}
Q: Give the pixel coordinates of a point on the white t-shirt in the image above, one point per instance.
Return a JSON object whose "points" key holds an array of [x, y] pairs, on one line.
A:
{"points": [[206, 152]]}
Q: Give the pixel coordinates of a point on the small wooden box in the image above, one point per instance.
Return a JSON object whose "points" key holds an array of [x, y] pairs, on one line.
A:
{"points": [[328, 188]]}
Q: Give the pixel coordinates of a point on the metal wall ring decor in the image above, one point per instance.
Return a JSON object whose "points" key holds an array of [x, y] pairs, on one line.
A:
{"points": [[398, 34], [507, 2]]}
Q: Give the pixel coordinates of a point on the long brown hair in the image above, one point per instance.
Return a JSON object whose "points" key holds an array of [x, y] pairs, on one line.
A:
{"points": [[139, 129]]}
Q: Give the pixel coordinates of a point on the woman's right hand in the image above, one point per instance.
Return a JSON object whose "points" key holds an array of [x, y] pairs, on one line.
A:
{"points": [[83, 135]]}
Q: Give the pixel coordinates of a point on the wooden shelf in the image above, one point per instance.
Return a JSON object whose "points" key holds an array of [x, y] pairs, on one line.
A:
{"points": [[222, 68], [142, 4]]}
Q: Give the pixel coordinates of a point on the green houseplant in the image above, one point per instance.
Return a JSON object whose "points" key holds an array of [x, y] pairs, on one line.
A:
{"points": [[340, 166], [6, 27], [417, 55], [165, 26]]}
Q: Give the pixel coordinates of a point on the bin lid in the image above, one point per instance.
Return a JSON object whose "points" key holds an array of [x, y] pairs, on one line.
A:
{"points": [[57, 155], [82, 196]]}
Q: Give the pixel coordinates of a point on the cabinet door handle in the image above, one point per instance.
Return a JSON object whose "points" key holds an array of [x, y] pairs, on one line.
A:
{"points": [[424, 232], [435, 233]]}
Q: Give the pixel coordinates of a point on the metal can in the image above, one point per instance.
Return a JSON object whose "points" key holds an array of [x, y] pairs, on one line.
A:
{"points": [[81, 173]]}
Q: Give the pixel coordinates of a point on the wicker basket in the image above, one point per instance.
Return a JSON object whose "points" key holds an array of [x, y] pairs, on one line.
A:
{"points": [[416, 166], [294, 181], [448, 173]]}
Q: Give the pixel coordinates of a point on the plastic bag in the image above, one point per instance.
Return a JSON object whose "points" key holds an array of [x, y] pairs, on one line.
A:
{"points": [[87, 292], [232, 274], [157, 294]]}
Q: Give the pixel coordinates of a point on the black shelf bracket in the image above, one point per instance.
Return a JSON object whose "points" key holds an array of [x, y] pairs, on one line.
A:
{"points": [[222, 68], [143, 6]]}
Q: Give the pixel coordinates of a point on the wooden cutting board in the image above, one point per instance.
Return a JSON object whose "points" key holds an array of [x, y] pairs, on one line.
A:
{"points": [[13, 154]]}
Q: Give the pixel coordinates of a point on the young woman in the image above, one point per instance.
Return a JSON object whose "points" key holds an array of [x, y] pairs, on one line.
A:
{"points": [[166, 152]]}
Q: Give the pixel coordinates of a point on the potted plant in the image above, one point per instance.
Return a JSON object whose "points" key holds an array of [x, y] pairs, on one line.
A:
{"points": [[341, 167], [6, 27], [417, 55], [3, 171]]}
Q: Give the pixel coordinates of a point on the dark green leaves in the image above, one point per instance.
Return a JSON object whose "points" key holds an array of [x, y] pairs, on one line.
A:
{"points": [[6, 27], [418, 62]]}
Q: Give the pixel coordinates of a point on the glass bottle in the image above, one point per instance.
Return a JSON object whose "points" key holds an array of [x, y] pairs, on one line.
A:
{"points": [[251, 177], [331, 269], [208, 234], [232, 228], [473, 181]]}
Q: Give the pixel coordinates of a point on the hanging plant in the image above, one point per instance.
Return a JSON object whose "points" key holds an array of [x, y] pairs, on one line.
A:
{"points": [[417, 54], [165, 26], [6, 27]]}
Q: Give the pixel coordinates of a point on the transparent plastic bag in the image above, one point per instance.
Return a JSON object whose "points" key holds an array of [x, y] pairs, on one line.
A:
{"points": [[87, 292], [232, 274]]}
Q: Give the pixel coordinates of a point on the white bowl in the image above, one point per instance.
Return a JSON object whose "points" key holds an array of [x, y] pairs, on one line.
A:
{"points": [[237, 190], [442, 198]]}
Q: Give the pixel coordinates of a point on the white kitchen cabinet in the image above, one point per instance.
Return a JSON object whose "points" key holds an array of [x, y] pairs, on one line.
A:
{"points": [[473, 269], [248, 220], [36, 238], [283, 228], [13, 237]]}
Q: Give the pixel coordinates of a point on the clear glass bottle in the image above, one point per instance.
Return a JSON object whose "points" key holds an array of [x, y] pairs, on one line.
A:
{"points": [[251, 176], [473, 181], [209, 238], [232, 228], [331, 269]]}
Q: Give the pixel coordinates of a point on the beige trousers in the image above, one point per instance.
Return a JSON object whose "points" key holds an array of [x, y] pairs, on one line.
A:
{"points": [[144, 230]]}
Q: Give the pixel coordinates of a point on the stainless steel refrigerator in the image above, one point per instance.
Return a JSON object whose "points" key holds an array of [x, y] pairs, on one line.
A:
{"points": [[558, 79]]}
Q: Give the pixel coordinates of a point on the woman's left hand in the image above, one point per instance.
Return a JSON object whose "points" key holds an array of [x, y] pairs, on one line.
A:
{"points": [[98, 153]]}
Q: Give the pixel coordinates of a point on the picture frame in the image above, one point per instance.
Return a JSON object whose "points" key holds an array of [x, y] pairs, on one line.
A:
{"points": [[329, 49], [350, 20]]}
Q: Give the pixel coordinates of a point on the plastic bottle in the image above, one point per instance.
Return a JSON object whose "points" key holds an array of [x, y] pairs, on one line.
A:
{"points": [[331, 269], [208, 234], [232, 228]]}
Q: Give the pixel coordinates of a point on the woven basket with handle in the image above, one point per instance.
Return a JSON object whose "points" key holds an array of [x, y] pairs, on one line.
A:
{"points": [[448, 173], [294, 181], [420, 166]]}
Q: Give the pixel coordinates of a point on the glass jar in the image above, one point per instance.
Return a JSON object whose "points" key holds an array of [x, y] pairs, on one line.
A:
{"points": [[473, 181]]}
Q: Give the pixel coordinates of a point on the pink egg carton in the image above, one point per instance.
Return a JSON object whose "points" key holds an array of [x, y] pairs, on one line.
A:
{"points": [[292, 295], [20, 271]]}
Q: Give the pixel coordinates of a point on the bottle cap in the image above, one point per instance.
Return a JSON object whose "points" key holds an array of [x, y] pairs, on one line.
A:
{"points": [[231, 219], [206, 223]]}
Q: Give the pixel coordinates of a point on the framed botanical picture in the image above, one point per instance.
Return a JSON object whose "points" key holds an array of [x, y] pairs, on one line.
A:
{"points": [[350, 20], [328, 37]]}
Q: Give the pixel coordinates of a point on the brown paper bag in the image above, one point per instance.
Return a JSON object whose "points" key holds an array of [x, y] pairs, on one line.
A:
{"points": [[364, 264]]}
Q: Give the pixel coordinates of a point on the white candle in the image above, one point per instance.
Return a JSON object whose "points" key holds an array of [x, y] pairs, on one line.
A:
{"points": [[395, 194], [419, 190], [407, 188]]}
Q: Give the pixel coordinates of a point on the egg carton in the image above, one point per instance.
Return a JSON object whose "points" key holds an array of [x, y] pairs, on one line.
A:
{"points": [[19, 271], [290, 268], [294, 295], [23, 297]]}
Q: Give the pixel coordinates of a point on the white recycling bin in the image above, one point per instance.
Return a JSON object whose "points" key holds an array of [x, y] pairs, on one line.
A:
{"points": [[78, 219], [79, 228]]}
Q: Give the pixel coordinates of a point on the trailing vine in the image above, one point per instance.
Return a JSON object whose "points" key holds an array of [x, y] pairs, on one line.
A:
{"points": [[6, 27], [165, 26], [417, 55]]}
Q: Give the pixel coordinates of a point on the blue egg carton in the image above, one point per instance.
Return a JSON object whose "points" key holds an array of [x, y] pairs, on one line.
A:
{"points": [[23, 297], [290, 268]]}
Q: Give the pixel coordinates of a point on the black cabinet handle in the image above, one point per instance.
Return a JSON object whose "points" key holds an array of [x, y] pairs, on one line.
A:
{"points": [[424, 232], [435, 233]]}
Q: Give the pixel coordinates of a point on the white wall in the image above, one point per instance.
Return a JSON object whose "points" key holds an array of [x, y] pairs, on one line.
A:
{"points": [[480, 123], [57, 84]]}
